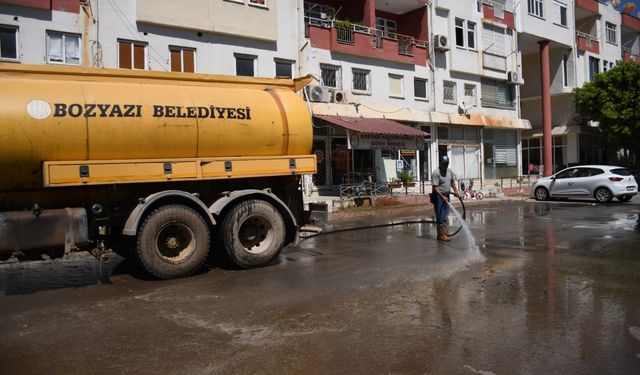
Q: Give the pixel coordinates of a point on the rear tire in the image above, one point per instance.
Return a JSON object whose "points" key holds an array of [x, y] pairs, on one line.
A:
{"points": [[253, 233], [603, 195], [173, 241], [541, 193], [625, 198], [479, 196]]}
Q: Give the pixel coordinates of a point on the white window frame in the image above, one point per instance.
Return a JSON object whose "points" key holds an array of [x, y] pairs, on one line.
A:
{"points": [[388, 27], [338, 74], [562, 6], [536, 8], [424, 98], [469, 31], [259, 3], [454, 93], [611, 33], [17, 30], [399, 78], [290, 63], [367, 73], [473, 89]]}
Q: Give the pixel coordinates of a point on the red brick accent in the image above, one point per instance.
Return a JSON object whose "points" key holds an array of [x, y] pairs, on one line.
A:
{"points": [[71, 6], [508, 19]]}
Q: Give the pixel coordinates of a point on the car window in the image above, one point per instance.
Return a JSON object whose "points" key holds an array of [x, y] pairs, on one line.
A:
{"points": [[621, 172], [568, 173], [596, 171], [584, 172]]}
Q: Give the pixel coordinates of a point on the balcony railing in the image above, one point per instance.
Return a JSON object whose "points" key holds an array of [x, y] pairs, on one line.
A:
{"points": [[588, 37], [629, 54], [345, 35], [500, 104], [493, 61]]}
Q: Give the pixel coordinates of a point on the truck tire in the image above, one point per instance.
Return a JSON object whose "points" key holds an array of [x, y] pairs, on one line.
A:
{"points": [[173, 241], [253, 233]]}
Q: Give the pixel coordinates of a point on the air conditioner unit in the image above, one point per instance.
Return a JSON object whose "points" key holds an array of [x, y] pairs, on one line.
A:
{"points": [[512, 77], [338, 96], [316, 93], [440, 43]]}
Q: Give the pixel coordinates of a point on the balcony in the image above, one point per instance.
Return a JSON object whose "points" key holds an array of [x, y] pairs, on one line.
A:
{"points": [[350, 38], [493, 61], [588, 43], [629, 54], [589, 5], [499, 12]]}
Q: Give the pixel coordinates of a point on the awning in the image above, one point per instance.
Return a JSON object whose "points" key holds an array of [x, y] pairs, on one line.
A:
{"points": [[480, 120], [377, 133], [372, 125]]}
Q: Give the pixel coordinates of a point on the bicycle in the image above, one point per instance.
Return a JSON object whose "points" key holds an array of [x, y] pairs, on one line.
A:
{"points": [[470, 192]]}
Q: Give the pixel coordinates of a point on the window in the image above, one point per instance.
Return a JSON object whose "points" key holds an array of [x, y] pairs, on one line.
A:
{"points": [[459, 32], [497, 94], [331, 76], [284, 68], [361, 80], [182, 59], [467, 28], [536, 8], [605, 65], [8, 43], [258, 2], [63, 48], [565, 70], [245, 65], [494, 39], [469, 94], [396, 88], [449, 92], [132, 55], [420, 88], [611, 33], [387, 27], [561, 13], [594, 67]]}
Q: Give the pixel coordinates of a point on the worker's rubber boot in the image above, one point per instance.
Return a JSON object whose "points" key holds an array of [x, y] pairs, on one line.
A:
{"points": [[442, 234]]}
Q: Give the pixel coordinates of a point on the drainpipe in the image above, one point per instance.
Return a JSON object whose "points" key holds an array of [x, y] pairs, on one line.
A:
{"points": [[87, 18]]}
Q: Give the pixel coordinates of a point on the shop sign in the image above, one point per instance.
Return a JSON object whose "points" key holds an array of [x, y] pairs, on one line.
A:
{"points": [[366, 141]]}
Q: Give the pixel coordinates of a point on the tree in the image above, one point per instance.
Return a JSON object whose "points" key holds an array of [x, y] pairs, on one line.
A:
{"points": [[613, 99]]}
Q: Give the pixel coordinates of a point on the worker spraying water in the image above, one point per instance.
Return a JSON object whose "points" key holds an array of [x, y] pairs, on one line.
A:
{"points": [[443, 182]]}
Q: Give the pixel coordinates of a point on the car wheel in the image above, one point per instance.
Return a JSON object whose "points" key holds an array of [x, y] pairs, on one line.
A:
{"points": [[603, 195], [479, 196], [625, 198], [541, 193]]}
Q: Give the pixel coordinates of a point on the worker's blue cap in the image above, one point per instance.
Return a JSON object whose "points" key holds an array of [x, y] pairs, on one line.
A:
{"points": [[444, 159]]}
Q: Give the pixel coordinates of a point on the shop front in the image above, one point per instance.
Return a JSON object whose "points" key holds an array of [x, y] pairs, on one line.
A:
{"points": [[364, 149]]}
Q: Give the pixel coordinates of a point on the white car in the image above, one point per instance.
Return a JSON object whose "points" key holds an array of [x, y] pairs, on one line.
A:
{"points": [[601, 182]]}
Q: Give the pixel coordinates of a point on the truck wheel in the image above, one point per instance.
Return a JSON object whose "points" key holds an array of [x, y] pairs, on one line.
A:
{"points": [[173, 241], [253, 233]]}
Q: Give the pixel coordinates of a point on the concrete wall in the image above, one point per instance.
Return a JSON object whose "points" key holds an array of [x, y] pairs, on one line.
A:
{"points": [[231, 17], [33, 24], [548, 27]]}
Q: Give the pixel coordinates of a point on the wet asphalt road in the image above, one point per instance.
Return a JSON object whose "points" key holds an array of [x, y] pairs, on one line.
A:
{"points": [[556, 291]]}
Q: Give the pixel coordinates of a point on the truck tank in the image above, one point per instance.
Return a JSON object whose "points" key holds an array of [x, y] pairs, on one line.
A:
{"points": [[61, 113]]}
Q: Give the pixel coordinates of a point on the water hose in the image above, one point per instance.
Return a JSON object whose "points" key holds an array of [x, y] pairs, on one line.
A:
{"points": [[464, 216]]}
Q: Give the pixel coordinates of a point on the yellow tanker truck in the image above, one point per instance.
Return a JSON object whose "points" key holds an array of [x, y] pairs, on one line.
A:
{"points": [[167, 165]]}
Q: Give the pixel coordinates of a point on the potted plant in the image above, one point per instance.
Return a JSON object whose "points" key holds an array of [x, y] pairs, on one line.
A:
{"points": [[394, 183], [407, 180]]}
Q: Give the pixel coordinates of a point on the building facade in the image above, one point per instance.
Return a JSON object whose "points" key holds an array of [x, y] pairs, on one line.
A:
{"points": [[399, 83]]}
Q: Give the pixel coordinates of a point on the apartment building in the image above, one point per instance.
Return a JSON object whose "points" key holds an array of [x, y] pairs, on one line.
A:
{"points": [[399, 83], [234, 37]]}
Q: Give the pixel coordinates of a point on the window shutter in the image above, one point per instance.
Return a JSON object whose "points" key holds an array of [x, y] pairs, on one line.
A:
{"points": [[124, 55], [506, 147], [176, 60], [188, 61], [138, 56]]}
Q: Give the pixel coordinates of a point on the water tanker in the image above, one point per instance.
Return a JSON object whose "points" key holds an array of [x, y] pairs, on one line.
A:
{"points": [[169, 164]]}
